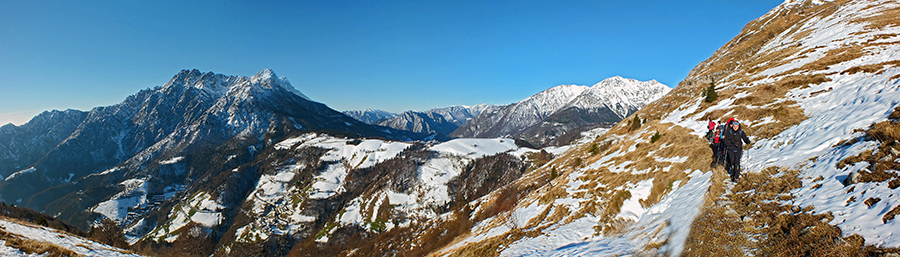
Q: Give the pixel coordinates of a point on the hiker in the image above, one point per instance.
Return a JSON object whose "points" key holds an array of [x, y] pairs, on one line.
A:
{"points": [[733, 140], [710, 128], [717, 146]]}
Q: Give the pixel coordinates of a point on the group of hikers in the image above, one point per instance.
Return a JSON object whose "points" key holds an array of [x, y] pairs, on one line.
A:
{"points": [[727, 142]]}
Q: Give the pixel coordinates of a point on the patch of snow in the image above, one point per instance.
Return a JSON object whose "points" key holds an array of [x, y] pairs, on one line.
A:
{"points": [[677, 159], [17, 173], [669, 220], [173, 160], [473, 148], [631, 208]]}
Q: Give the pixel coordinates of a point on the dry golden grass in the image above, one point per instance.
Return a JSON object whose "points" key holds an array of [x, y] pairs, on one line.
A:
{"points": [[886, 18], [30, 246], [877, 68], [891, 214]]}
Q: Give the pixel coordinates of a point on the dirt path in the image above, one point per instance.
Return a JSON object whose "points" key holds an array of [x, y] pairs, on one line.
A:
{"points": [[750, 218]]}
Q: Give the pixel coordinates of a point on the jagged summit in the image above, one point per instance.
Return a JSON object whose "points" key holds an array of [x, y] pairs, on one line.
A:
{"points": [[622, 95], [268, 76], [218, 85]]}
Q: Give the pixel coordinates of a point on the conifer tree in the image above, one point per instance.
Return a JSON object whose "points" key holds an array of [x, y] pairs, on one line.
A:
{"points": [[636, 123], [710, 93]]}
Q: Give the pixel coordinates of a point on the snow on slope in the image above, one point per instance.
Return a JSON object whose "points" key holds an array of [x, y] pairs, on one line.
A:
{"points": [[670, 219], [473, 148], [274, 194], [430, 190], [548, 101], [199, 208], [79, 245]]}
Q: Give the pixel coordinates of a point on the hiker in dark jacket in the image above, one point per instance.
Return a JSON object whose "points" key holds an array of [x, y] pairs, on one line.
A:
{"points": [[733, 140]]}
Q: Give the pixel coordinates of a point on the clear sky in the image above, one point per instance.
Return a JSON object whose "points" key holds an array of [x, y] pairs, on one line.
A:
{"points": [[390, 55]]}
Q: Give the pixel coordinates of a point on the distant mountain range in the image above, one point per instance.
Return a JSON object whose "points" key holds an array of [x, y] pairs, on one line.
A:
{"points": [[555, 116], [436, 121], [547, 116], [370, 116]]}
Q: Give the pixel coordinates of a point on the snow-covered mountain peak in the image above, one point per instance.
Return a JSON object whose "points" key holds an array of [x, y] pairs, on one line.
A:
{"points": [[788, 3], [622, 95], [550, 100], [218, 85], [267, 76], [567, 92]]}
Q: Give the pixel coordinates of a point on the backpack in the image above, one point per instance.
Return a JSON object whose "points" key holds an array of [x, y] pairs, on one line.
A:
{"points": [[721, 133]]}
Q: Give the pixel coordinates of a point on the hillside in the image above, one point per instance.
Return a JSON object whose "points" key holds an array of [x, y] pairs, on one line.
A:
{"points": [[815, 85]]}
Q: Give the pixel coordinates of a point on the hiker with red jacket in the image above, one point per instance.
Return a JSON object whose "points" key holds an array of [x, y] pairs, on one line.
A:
{"points": [[733, 139]]}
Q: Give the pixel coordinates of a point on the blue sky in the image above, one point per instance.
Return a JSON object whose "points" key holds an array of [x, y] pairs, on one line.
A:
{"points": [[390, 55]]}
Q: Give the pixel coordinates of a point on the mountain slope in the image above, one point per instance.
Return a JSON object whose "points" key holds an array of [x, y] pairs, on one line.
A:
{"points": [[27, 238], [808, 80], [21, 146]]}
